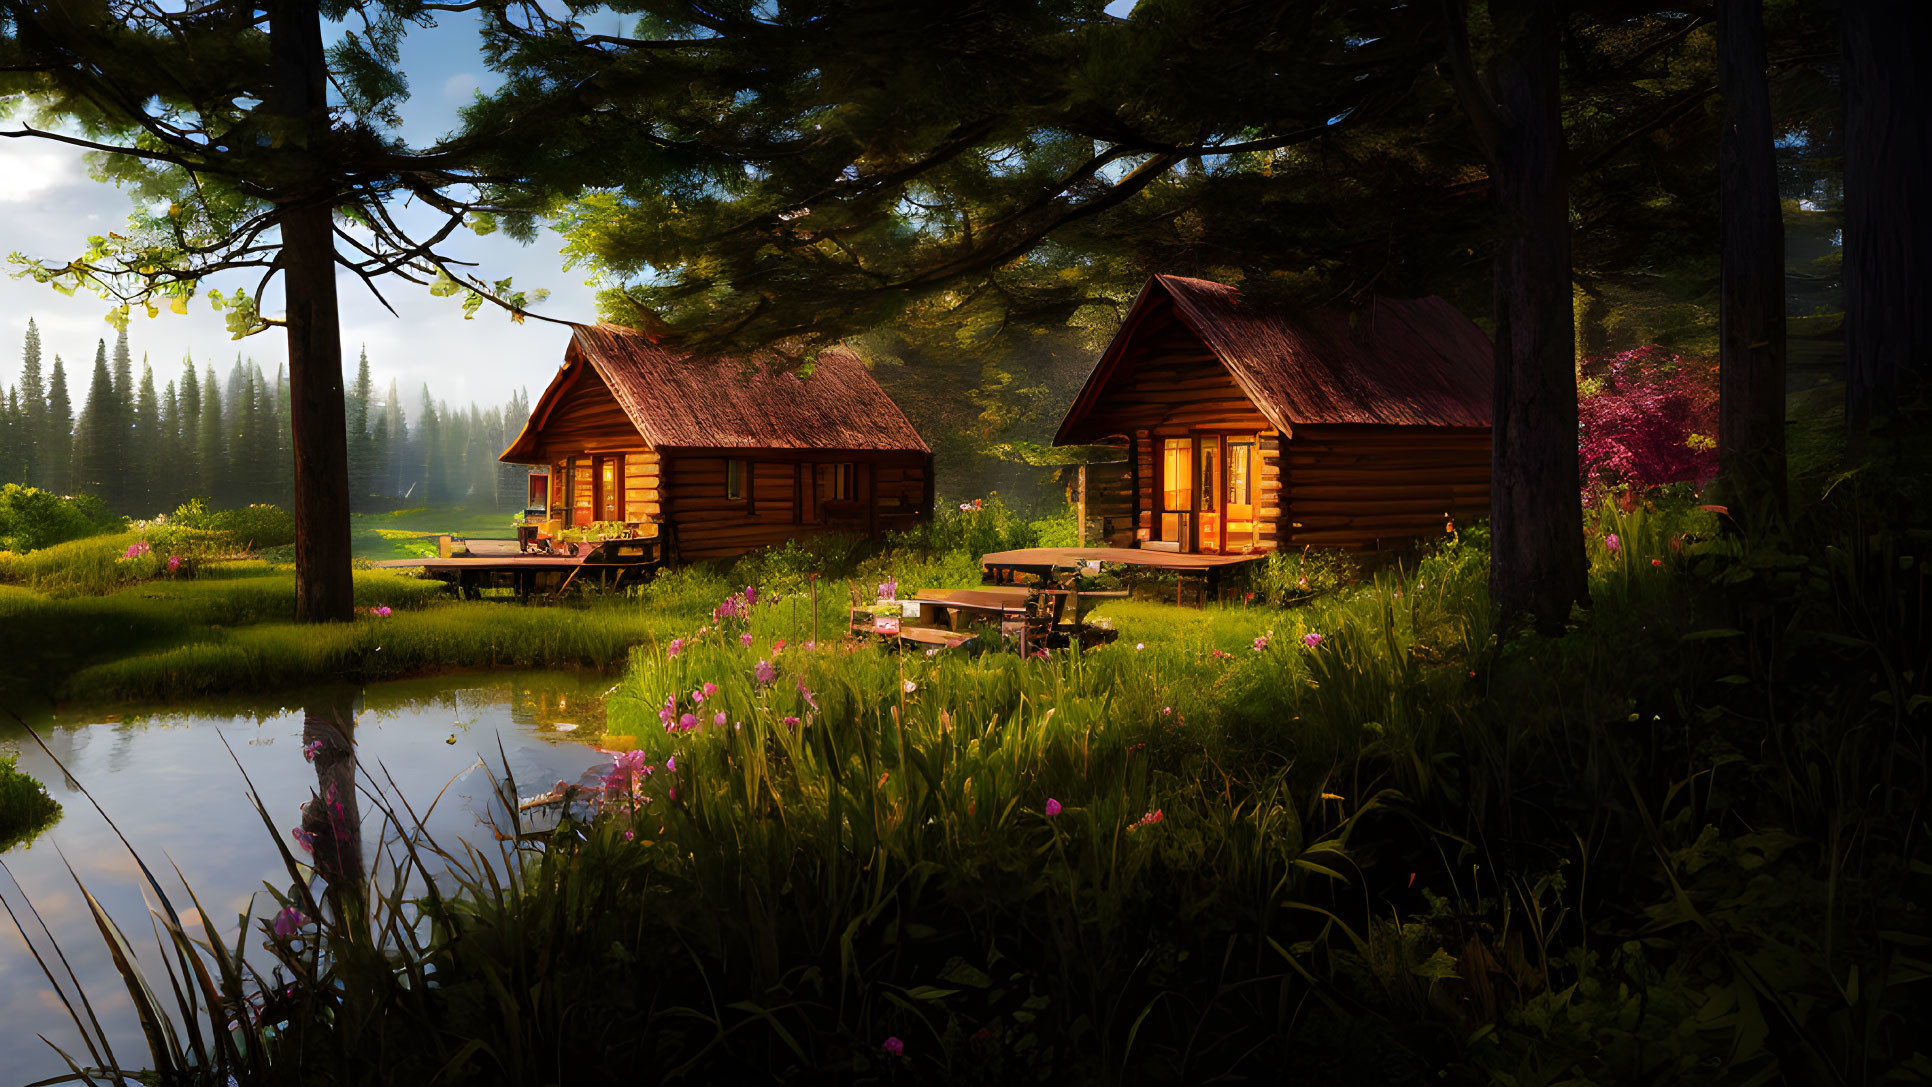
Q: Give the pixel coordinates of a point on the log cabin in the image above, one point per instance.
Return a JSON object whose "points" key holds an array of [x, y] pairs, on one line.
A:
{"points": [[1246, 431], [721, 456]]}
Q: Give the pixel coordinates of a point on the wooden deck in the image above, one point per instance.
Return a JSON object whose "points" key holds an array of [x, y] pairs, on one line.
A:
{"points": [[498, 564], [1033, 559]]}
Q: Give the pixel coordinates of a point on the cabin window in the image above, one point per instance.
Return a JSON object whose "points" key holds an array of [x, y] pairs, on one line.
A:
{"points": [[1241, 528], [834, 482], [736, 473]]}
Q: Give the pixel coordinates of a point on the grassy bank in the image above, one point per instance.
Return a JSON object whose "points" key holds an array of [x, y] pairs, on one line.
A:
{"points": [[25, 807]]}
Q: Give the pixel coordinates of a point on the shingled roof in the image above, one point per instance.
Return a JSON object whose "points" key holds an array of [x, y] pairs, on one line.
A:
{"points": [[678, 401], [1400, 362]]}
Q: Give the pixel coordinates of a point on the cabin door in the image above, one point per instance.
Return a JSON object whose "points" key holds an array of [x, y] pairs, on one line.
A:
{"points": [[1206, 495], [610, 488]]}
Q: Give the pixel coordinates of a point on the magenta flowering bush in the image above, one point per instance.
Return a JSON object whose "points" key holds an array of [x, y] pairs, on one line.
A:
{"points": [[1647, 417], [136, 549]]}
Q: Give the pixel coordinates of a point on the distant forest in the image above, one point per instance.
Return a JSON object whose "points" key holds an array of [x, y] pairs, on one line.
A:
{"points": [[224, 439]]}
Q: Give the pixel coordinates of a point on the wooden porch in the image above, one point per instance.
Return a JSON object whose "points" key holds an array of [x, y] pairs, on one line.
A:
{"points": [[499, 564]]}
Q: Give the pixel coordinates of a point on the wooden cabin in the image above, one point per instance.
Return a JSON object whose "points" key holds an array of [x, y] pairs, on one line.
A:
{"points": [[720, 455], [1245, 431]]}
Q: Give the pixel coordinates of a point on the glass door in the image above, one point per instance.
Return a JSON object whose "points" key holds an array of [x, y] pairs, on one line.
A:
{"points": [[1177, 491], [1208, 451], [1240, 509], [610, 488]]}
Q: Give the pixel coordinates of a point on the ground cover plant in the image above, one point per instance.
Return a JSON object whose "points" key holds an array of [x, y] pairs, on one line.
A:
{"points": [[25, 807], [1363, 838]]}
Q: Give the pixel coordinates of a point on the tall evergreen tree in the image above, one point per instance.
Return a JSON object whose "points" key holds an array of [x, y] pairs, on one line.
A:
{"points": [[124, 374], [396, 421], [379, 469], [147, 450], [171, 468], [57, 433], [244, 439], [361, 452], [100, 438], [11, 430], [211, 443], [194, 479], [31, 416], [430, 468]]}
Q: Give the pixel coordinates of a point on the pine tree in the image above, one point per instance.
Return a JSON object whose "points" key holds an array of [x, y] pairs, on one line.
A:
{"points": [[11, 429], [147, 453], [194, 478], [57, 434], [379, 470], [30, 418], [397, 422], [100, 438], [244, 436], [278, 468], [211, 442], [171, 469], [431, 465], [361, 451]]}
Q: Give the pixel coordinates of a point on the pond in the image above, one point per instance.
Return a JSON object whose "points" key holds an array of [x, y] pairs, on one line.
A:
{"points": [[167, 780]]}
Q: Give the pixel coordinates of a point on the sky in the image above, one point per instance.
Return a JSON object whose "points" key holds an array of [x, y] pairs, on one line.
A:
{"points": [[49, 205]]}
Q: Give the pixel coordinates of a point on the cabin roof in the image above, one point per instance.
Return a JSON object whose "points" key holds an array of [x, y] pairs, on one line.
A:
{"points": [[1399, 362], [678, 401]]}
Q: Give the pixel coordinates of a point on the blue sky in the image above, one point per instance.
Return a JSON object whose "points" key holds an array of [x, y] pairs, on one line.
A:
{"points": [[48, 206]]}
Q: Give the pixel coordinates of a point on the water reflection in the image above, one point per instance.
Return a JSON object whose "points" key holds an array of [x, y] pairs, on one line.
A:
{"points": [[171, 783]]}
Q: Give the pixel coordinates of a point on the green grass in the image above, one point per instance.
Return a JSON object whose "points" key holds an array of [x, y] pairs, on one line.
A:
{"points": [[25, 807], [411, 533]]}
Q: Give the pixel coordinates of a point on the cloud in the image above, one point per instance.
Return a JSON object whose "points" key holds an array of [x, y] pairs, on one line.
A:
{"points": [[27, 172]]}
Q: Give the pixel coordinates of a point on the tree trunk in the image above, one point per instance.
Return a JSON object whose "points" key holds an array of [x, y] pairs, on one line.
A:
{"points": [[1537, 563], [324, 586], [1888, 226], [1751, 347], [332, 817]]}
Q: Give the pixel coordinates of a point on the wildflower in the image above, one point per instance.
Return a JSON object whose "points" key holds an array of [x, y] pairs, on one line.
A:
{"points": [[1311, 639], [688, 722], [1218, 655], [1656, 562], [673, 793], [745, 639], [136, 549], [174, 563], [811, 645], [1612, 543], [1165, 710], [719, 720], [778, 645], [889, 588], [894, 1046], [965, 507], [287, 922], [790, 722], [1261, 643], [1138, 646], [933, 651], [751, 594], [630, 835], [1147, 820], [710, 689], [763, 672], [909, 686], [676, 647], [304, 839], [380, 611], [311, 749], [1052, 806], [671, 764], [804, 691], [666, 713]]}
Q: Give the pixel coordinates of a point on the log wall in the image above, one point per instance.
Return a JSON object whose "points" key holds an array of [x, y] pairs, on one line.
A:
{"points": [[586, 418], [890, 492], [1371, 486], [1168, 379]]}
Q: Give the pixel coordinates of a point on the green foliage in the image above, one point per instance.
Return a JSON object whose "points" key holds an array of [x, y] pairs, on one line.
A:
{"points": [[31, 518], [249, 527], [25, 807]]}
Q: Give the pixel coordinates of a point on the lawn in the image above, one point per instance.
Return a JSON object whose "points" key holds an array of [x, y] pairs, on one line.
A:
{"points": [[411, 533]]}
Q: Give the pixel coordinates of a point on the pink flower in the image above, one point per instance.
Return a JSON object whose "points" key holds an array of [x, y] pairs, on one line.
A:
{"points": [[1261, 643], [676, 647], [710, 689], [304, 839], [888, 588], [673, 793], [790, 721], [671, 764], [380, 611], [288, 922], [1656, 562], [778, 645], [894, 1046], [1612, 543], [1218, 655], [1311, 639], [745, 639], [630, 835], [311, 749], [751, 594], [719, 720], [688, 722], [1167, 710], [174, 563], [763, 672], [1052, 806], [1147, 820], [136, 549], [809, 700]]}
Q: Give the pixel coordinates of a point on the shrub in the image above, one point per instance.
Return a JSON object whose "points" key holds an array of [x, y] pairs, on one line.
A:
{"points": [[31, 518], [25, 807], [257, 526], [1648, 417]]}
